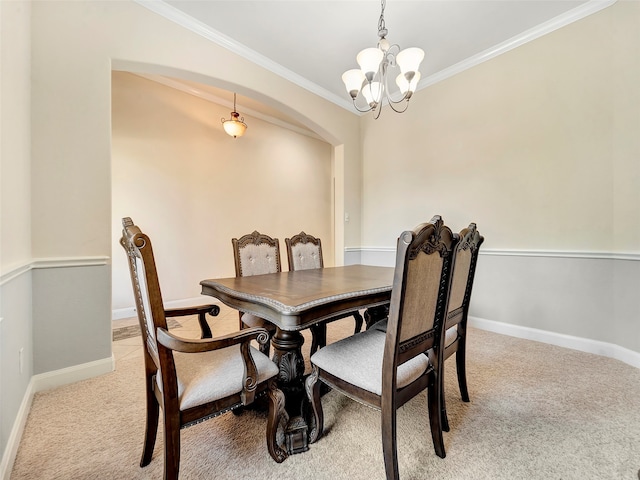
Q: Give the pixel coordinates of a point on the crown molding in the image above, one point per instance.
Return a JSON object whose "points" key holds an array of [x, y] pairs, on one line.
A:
{"points": [[173, 14], [527, 36]]}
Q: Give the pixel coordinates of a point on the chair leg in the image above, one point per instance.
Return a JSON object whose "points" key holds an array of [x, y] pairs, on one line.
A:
{"points": [[433, 399], [316, 424], [276, 422], [443, 406], [151, 429], [318, 337], [389, 441], [359, 321], [461, 367], [171, 445]]}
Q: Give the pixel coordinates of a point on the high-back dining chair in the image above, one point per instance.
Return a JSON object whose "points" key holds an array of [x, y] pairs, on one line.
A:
{"points": [[459, 297], [385, 370], [304, 252], [256, 254], [192, 380]]}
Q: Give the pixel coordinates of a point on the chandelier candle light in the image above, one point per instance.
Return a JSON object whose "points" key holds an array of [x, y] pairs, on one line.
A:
{"points": [[235, 126], [376, 65]]}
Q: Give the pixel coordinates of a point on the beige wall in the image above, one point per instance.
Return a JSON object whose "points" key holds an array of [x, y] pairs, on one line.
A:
{"points": [[15, 140], [539, 146], [73, 51], [75, 46], [16, 334], [625, 88], [192, 188]]}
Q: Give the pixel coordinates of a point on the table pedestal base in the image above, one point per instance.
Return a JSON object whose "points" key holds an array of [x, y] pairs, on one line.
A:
{"points": [[287, 354], [296, 436]]}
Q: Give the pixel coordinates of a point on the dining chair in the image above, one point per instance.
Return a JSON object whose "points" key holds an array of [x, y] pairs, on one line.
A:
{"points": [[192, 380], [455, 340], [305, 252], [256, 254], [385, 370]]}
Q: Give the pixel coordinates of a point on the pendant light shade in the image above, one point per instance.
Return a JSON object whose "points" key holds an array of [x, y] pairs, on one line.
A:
{"points": [[235, 126]]}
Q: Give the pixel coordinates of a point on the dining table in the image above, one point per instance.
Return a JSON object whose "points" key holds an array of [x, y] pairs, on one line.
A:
{"points": [[294, 301]]}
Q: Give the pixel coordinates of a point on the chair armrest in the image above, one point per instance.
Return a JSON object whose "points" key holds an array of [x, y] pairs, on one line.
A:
{"points": [[196, 345], [172, 342], [200, 310], [212, 310]]}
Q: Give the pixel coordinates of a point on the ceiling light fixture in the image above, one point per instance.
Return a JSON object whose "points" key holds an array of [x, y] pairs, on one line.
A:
{"points": [[376, 65], [235, 126]]}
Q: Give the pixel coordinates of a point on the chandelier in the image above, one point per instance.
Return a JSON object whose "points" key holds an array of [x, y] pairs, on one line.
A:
{"points": [[235, 126], [371, 82]]}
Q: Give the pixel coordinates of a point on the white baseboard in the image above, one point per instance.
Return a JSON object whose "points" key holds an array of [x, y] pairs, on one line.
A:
{"points": [[64, 376], [39, 383], [567, 341], [128, 312], [11, 450]]}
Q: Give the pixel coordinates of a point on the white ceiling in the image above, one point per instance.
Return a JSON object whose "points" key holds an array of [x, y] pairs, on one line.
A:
{"points": [[312, 42]]}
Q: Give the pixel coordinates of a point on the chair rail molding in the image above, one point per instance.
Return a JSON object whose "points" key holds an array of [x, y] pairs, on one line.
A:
{"points": [[633, 256], [590, 261], [55, 262]]}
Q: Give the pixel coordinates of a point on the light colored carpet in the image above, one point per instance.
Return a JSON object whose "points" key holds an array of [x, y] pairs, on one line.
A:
{"points": [[536, 412], [130, 331]]}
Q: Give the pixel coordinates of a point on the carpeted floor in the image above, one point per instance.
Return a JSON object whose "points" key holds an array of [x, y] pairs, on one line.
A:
{"points": [[536, 412], [130, 331]]}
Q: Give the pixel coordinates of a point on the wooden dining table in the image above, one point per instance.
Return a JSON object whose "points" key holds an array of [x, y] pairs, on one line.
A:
{"points": [[297, 300]]}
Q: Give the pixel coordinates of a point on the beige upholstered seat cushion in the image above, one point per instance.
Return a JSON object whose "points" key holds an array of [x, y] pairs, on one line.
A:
{"points": [[449, 337], [252, 321], [358, 360], [209, 376]]}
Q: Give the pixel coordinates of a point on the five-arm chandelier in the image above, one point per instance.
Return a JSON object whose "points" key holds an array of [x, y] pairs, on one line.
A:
{"points": [[371, 81]]}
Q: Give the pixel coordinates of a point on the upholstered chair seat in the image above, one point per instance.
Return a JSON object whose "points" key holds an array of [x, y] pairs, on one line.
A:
{"points": [[209, 376], [450, 335], [358, 360], [251, 320]]}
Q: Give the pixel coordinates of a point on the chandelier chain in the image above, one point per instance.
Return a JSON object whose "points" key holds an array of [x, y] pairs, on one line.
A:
{"points": [[382, 28]]}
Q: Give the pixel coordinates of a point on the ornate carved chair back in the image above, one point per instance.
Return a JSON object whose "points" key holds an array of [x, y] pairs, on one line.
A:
{"points": [[148, 297], [459, 298], [304, 252], [385, 368], [256, 254]]}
